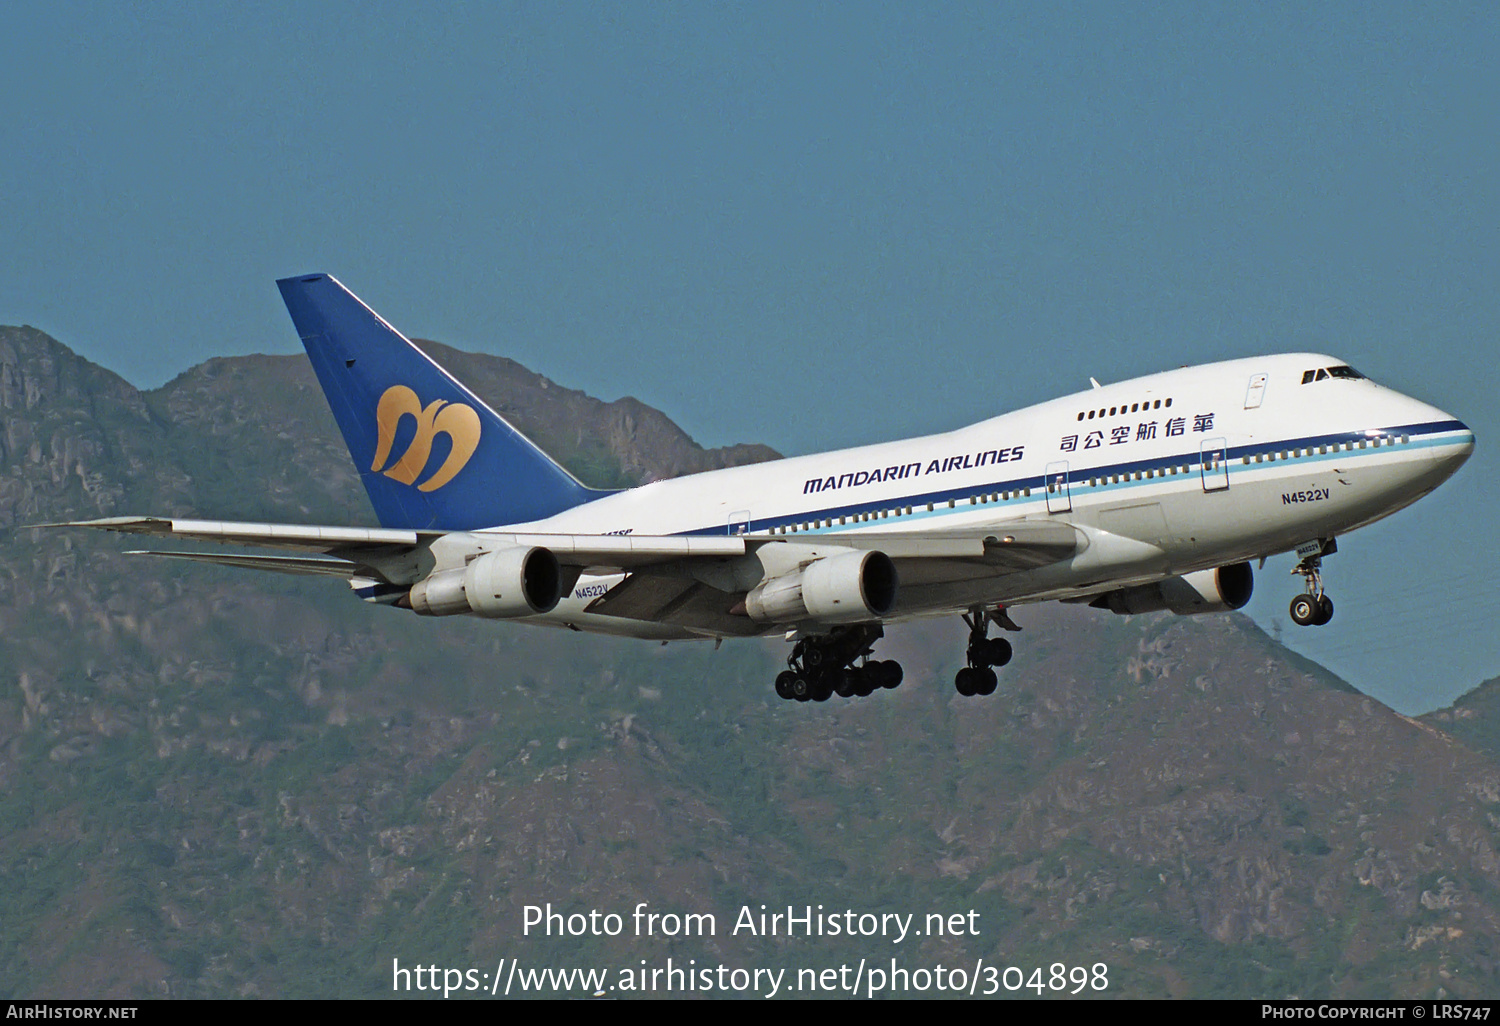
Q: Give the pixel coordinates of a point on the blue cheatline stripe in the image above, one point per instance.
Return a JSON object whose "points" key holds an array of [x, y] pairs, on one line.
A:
{"points": [[1078, 477]]}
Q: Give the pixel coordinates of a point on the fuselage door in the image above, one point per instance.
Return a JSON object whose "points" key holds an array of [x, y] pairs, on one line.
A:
{"points": [[1059, 500], [1215, 465], [739, 522], [1256, 392]]}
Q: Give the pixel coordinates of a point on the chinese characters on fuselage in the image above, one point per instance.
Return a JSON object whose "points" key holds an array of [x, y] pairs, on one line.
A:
{"points": [[1143, 432]]}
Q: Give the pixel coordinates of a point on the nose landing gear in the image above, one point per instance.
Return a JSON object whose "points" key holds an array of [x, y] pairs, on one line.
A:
{"points": [[984, 653], [1313, 609]]}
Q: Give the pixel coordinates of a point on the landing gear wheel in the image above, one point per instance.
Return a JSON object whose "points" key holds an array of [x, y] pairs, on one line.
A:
{"points": [[837, 663], [997, 651], [1314, 608], [1306, 609], [888, 673], [784, 684], [978, 678]]}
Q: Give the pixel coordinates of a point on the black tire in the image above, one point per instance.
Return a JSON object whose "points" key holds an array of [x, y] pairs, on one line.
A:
{"points": [[800, 687], [1305, 610], [997, 652], [845, 683], [822, 690], [869, 680], [986, 681], [784, 684], [1325, 611], [964, 681], [891, 675]]}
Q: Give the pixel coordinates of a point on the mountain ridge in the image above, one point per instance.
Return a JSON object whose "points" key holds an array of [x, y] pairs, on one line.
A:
{"points": [[215, 783]]}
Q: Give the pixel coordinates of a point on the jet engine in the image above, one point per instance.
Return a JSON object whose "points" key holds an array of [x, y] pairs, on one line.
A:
{"points": [[509, 582], [1207, 591], [848, 588]]}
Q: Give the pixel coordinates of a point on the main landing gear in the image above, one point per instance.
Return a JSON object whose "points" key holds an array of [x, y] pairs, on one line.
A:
{"points": [[978, 678], [822, 665], [1313, 609]]}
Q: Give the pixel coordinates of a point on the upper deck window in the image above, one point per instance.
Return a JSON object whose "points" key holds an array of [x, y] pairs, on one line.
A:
{"points": [[1122, 409]]}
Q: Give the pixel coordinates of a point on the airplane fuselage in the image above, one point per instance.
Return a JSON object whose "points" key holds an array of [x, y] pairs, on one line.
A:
{"points": [[1165, 475]]}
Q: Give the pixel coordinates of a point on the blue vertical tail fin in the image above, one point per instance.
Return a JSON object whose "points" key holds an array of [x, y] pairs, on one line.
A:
{"points": [[431, 454]]}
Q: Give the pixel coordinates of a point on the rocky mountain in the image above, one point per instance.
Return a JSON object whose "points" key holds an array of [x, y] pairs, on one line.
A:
{"points": [[216, 783], [1474, 718]]}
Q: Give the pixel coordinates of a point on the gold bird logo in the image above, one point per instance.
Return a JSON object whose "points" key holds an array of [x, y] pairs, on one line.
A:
{"points": [[440, 417]]}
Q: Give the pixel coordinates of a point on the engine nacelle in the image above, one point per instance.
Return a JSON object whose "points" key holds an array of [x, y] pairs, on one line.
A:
{"points": [[848, 588], [1207, 591], [509, 582]]}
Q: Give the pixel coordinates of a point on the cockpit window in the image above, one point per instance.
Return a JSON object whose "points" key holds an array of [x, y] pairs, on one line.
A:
{"points": [[1324, 373]]}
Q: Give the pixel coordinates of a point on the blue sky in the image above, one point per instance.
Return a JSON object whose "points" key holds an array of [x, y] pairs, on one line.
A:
{"points": [[812, 226]]}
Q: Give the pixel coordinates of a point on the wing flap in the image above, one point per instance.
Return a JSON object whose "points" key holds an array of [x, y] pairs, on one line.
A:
{"points": [[680, 601], [1009, 548], [327, 566]]}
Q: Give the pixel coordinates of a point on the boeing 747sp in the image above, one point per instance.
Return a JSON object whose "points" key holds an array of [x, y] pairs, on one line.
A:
{"points": [[1149, 494]]}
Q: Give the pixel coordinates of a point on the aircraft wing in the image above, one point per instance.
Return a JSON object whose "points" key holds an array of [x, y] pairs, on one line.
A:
{"points": [[1021, 544], [293, 537], [666, 582], [370, 551], [672, 594]]}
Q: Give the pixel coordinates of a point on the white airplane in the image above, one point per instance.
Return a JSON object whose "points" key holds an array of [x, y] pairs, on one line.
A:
{"points": [[1148, 494]]}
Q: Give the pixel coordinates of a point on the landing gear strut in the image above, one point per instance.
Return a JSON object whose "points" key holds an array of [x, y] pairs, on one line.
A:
{"points": [[822, 665], [1313, 608], [978, 678]]}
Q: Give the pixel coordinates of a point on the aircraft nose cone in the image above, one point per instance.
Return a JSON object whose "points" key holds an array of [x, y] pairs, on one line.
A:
{"points": [[1467, 442], [1453, 445]]}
